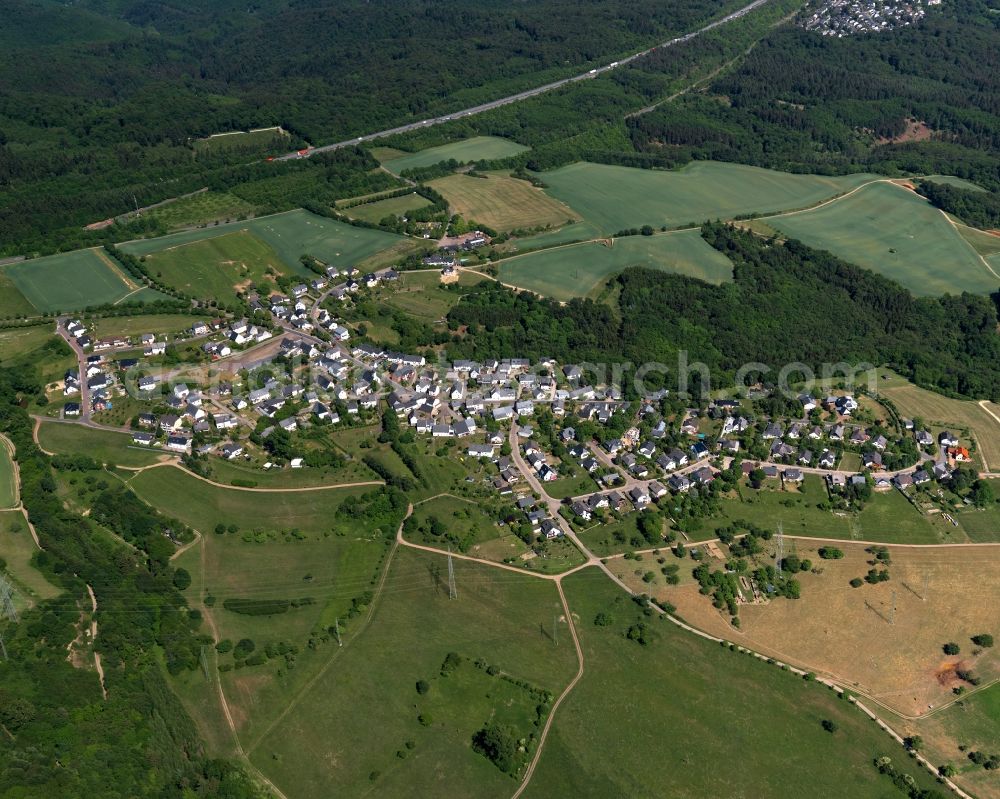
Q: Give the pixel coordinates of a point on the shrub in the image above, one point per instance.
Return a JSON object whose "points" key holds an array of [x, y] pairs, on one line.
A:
{"points": [[182, 579], [983, 639], [829, 726], [423, 687], [951, 648]]}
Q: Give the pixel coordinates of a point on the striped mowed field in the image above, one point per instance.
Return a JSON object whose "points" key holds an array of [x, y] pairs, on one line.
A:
{"points": [[70, 281]]}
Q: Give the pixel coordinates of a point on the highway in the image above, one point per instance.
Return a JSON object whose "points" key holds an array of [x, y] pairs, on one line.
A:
{"points": [[548, 87]]}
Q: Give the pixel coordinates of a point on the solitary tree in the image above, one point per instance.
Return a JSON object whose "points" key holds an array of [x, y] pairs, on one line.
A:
{"points": [[951, 648]]}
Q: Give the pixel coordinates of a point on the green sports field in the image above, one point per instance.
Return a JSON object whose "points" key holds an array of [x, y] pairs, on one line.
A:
{"points": [[376, 211], [577, 270], [695, 703], [616, 198], [891, 230], [290, 235], [478, 148], [70, 281]]}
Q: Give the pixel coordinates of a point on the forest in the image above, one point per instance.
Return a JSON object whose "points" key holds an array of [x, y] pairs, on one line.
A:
{"points": [[787, 303], [61, 737], [805, 103], [101, 101]]}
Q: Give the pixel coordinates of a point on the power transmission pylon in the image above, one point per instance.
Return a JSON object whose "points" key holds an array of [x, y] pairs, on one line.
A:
{"points": [[452, 590], [923, 592], [892, 613], [555, 629], [3, 647], [7, 599], [336, 627], [203, 660]]}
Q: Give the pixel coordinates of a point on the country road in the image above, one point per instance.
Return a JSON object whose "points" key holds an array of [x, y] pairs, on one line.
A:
{"points": [[513, 98]]}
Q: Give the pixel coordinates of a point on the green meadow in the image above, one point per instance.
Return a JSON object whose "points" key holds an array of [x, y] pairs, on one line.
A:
{"points": [[580, 269], [665, 717], [892, 231], [615, 198], [478, 148]]}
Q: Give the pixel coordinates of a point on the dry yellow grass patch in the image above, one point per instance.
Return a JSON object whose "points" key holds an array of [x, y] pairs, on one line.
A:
{"points": [[503, 202], [845, 633]]}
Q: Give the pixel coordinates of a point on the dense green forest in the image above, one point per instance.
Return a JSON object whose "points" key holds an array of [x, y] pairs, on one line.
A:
{"points": [[787, 303], [61, 738], [804, 102], [100, 101], [977, 208]]}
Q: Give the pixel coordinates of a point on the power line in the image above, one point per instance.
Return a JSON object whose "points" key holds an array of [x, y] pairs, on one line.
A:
{"points": [[7, 599], [452, 590]]}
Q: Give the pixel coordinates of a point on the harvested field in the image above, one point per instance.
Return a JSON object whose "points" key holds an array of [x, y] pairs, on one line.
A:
{"points": [[502, 202], [478, 148]]}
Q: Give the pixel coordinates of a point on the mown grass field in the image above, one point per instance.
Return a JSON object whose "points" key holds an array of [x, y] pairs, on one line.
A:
{"points": [[205, 505], [615, 198], [324, 744], [892, 231], [478, 148], [695, 704], [8, 482], [972, 722], [227, 472], [940, 411], [17, 342], [300, 232], [69, 281], [205, 208], [328, 570], [103, 445], [502, 202], [375, 212], [580, 269], [17, 548], [887, 517], [217, 268], [986, 244], [160, 324], [242, 138], [291, 235], [846, 632], [12, 301], [951, 180], [567, 234]]}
